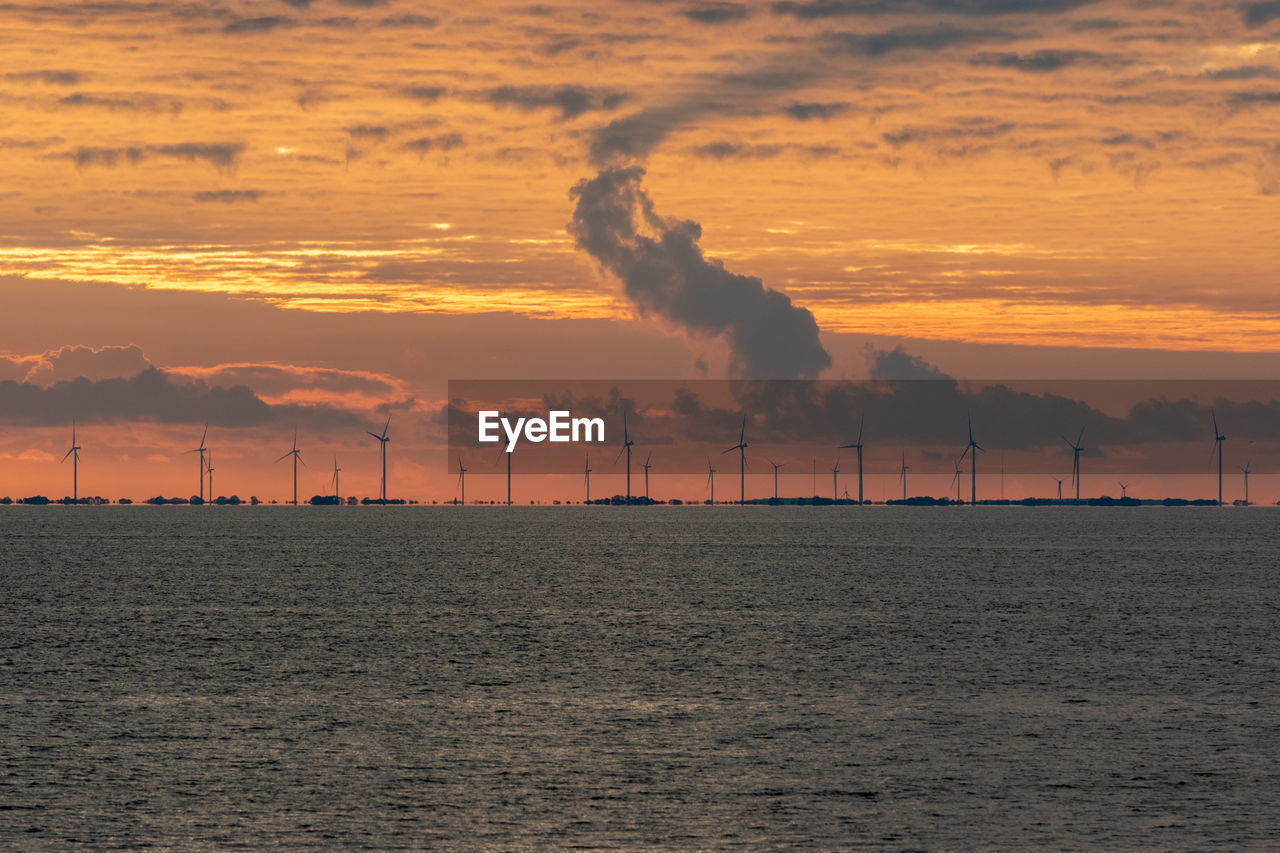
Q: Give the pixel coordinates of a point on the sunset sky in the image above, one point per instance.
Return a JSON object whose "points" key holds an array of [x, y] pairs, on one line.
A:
{"points": [[341, 204]]}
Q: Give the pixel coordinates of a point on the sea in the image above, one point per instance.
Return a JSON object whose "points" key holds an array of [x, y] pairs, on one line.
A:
{"points": [[646, 678]]}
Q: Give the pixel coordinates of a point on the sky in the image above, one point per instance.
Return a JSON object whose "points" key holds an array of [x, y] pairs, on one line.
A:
{"points": [[278, 214]]}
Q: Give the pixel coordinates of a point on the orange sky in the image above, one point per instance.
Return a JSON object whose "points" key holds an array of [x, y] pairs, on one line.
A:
{"points": [[347, 202]]}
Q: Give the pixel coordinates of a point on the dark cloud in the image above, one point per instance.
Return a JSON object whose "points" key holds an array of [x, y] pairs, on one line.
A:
{"points": [[822, 9], [666, 274], [257, 25], [1243, 72], [430, 94], [898, 364], [368, 131], [152, 395], [747, 151], [716, 13], [443, 142], [1258, 14], [228, 196], [298, 4], [53, 77], [931, 38], [362, 4], [219, 155], [1042, 61], [571, 101], [1255, 99], [816, 110], [409, 20], [908, 135], [138, 102]]}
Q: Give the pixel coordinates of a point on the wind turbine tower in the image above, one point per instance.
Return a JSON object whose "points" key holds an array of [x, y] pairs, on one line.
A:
{"points": [[972, 449], [1076, 449], [201, 450], [646, 467], [208, 467], [462, 480], [857, 445], [382, 446], [586, 474], [741, 447], [337, 492], [297, 457], [903, 474], [627, 444], [74, 453], [1218, 438], [1245, 471], [835, 489], [776, 466], [711, 481]]}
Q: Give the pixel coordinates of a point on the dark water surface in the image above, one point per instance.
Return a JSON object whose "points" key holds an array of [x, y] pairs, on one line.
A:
{"points": [[666, 678]]}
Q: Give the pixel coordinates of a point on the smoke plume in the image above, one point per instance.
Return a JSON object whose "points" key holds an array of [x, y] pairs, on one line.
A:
{"points": [[663, 271]]}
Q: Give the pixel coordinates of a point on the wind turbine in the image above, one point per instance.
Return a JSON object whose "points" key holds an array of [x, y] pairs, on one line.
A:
{"points": [[1245, 471], [627, 444], [741, 447], [586, 474], [297, 457], [462, 480], [1124, 489], [857, 445], [1218, 438], [201, 450], [835, 489], [1076, 449], [776, 466], [646, 467], [382, 446], [208, 466], [711, 481], [902, 475], [337, 493], [955, 479], [972, 449], [74, 453], [1059, 480]]}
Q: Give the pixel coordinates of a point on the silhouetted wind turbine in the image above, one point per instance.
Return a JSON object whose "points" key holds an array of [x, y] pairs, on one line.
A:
{"points": [[835, 489], [1124, 489], [1076, 449], [1059, 480], [1218, 438], [776, 466], [74, 453], [627, 444], [382, 446], [711, 481], [337, 492], [646, 467], [858, 447], [972, 449], [201, 450], [297, 457], [903, 474], [741, 447], [208, 466], [1245, 471], [462, 480], [955, 480], [586, 475]]}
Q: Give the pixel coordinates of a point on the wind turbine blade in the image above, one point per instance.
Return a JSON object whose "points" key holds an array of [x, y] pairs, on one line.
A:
{"points": [[204, 435], [647, 458], [385, 428], [1080, 438], [730, 450], [304, 464], [1216, 432], [69, 452], [375, 435], [286, 456], [861, 420], [742, 434]]}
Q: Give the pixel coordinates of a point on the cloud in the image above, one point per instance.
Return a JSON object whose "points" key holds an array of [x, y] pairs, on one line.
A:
{"points": [[138, 102], [430, 94], [220, 155], [153, 395], [744, 151], [1243, 72], [716, 13], [409, 20], [72, 362], [1255, 99], [51, 76], [930, 38], [897, 364], [1257, 14], [667, 274], [816, 110], [1042, 61], [908, 135], [823, 9], [443, 142], [253, 26], [572, 101], [228, 196]]}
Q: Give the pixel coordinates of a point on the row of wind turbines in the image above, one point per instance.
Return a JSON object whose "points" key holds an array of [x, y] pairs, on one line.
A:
{"points": [[970, 451]]}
